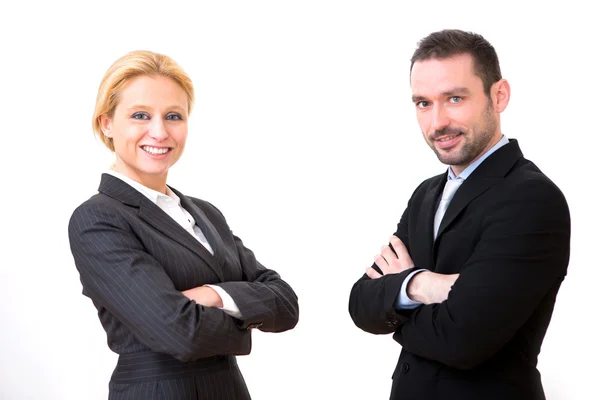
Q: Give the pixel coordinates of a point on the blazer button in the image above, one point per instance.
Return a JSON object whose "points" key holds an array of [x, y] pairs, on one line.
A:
{"points": [[405, 368], [254, 326]]}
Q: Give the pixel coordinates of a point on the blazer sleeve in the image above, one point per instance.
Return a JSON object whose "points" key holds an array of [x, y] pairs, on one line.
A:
{"points": [[372, 301], [120, 276], [520, 258], [265, 300]]}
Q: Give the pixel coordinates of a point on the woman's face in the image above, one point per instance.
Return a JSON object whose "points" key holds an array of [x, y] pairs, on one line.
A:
{"points": [[148, 129]]}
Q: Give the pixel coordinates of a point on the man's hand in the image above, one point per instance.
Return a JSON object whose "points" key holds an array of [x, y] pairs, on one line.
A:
{"points": [[390, 263], [429, 287], [205, 296]]}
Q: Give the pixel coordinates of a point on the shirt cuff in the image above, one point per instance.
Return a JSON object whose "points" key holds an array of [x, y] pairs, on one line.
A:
{"points": [[403, 302], [229, 306]]}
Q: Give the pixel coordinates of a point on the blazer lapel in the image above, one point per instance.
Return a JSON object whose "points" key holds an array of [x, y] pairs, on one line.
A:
{"points": [[119, 190], [209, 230], [422, 248], [486, 175], [156, 217], [159, 220], [468, 191]]}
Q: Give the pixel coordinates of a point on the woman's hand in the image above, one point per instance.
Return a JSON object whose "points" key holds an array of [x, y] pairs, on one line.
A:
{"points": [[205, 296]]}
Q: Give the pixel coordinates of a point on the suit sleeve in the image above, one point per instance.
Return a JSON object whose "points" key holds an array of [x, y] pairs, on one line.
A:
{"points": [[265, 301], [372, 301], [520, 259], [120, 276]]}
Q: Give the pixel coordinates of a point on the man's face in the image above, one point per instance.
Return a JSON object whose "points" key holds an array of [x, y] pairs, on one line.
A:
{"points": [[456, 117]]}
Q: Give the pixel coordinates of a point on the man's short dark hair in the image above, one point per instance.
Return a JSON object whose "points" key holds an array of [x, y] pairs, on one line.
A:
{"points": [[453, 42]]}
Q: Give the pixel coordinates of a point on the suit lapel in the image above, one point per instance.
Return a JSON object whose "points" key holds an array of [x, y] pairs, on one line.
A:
{"points": [[424, 228], [119, 190], [159, 220], [490, 172], [156, 217], [466, 193], [209, 230]]}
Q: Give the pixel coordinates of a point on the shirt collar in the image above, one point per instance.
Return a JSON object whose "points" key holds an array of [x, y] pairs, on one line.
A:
{"points": [[471, 167], [151, 194]]}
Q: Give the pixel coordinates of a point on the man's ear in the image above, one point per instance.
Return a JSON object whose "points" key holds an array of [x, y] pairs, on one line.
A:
{"points": [[500, 94]]}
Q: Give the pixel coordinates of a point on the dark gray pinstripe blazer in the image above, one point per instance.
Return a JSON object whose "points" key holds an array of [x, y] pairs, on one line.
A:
{"points": [[134, 260]]}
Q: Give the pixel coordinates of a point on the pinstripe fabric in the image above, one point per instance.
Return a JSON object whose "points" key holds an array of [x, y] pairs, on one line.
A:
{"points": [[134, 261]]}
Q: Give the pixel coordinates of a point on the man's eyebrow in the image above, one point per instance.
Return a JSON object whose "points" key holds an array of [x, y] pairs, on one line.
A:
{"points": [[457, 91]]}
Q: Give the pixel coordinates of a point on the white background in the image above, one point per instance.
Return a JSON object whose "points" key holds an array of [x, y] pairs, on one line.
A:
{"points": [[306, 105]]}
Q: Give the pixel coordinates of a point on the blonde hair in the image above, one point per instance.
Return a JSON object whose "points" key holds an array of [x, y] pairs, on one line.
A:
{"points": [[131, 65]]}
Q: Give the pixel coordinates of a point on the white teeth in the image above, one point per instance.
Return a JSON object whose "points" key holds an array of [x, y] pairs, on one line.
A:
{"points": [[448, 138], [155, 150]]}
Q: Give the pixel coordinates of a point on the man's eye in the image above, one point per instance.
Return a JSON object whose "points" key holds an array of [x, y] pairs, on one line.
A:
{"points": [[455, 99], [422, 104]]}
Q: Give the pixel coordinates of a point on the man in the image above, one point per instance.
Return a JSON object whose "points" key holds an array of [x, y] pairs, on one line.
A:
{"points": [[469, 280]]}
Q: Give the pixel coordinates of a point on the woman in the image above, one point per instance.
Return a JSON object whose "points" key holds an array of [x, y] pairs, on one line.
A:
{"points": [[176, 291]]}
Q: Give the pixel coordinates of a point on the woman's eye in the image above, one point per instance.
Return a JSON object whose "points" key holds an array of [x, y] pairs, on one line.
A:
{"points": [[140, 116], [174, 117]]}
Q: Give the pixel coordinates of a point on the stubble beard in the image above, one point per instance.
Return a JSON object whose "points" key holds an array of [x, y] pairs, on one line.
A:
{"points": [[474, 142]]}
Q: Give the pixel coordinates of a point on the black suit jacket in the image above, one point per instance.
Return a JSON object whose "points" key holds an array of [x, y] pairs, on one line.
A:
{"points": [[507, 233], [134, 261]]}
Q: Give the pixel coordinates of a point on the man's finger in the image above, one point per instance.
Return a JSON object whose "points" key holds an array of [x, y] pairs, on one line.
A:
{"points": [[381, 263], [371, 273], [452, 279], [388, 254], [401, 252]]}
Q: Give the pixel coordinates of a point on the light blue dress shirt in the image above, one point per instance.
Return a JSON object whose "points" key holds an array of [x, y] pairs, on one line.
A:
{"points": [[403, 301]]}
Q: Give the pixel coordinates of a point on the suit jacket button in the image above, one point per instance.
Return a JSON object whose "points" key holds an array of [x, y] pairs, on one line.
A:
{"points": [[255, 325], [405, 367]]}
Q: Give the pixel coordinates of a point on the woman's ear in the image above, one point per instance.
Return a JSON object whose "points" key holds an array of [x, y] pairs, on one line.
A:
{"points": [[106, 125]]}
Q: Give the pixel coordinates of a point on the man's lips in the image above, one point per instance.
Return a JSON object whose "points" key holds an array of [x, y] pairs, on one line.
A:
{"points": [[448, 141]]}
